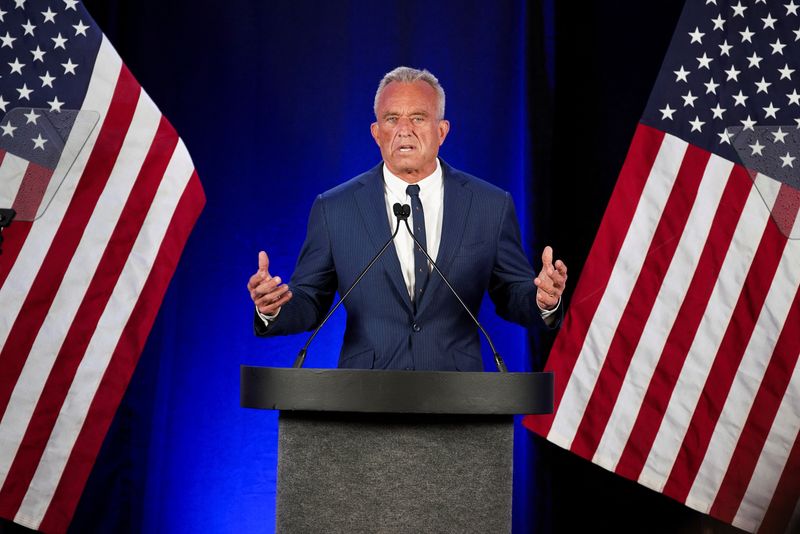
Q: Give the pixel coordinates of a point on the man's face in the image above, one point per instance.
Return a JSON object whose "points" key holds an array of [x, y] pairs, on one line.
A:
{"points": [[408, 130]]}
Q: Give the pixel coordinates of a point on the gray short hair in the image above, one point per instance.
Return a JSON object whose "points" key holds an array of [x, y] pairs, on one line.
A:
{"points": [[409, 75]]}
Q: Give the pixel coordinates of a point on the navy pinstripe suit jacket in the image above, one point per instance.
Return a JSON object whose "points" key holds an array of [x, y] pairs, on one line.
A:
{"points": [[480, 250]]}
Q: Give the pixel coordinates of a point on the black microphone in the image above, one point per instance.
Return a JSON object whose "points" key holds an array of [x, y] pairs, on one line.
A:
{"points": [[498, 360], [402, 213], [7, 215]]}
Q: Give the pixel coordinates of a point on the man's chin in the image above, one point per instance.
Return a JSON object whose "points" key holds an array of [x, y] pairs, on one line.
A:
{"points": [[405, 156], [403, 163], [407, 166]]}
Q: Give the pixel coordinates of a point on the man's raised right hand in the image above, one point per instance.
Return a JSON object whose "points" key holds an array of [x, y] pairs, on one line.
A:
{"points": [[267, 292]]}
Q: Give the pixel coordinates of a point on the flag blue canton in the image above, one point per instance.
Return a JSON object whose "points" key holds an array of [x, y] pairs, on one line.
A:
{"points": [[729, 84], [47, 51]]}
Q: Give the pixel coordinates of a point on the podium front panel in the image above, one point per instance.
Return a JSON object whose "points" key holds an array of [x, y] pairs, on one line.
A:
{"points": [[394, 473]]}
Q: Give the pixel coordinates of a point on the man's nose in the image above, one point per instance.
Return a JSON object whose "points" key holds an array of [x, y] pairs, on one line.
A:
{"points": [[404, 125]]}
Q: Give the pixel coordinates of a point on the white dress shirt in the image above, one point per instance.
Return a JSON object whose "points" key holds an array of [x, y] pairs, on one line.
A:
{"points": [[431, 195]]}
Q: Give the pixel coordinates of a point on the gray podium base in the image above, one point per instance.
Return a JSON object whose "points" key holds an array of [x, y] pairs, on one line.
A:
{"points": [[394, 473]]}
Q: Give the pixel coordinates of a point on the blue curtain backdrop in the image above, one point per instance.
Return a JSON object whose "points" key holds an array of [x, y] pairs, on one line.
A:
{"points": [[274, 101]]}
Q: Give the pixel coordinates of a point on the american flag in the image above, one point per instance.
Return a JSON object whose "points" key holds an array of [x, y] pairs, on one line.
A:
{"points": [[106, 195], [677, 364]]}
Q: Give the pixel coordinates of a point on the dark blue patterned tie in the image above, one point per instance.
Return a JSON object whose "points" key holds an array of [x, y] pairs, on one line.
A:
{"points": [[420, 261]]}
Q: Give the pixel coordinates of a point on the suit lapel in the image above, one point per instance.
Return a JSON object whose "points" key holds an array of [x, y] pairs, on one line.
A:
{"points": [[456, 206], [372, 206]]}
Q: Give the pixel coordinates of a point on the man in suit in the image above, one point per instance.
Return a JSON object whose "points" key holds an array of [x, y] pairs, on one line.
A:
{"points": [[402, 315]]}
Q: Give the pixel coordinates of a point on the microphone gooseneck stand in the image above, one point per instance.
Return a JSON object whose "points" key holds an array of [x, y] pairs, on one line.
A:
{"points": [[402, 212], [498, 360]]}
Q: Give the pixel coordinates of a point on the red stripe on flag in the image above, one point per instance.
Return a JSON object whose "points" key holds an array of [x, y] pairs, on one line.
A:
{"points": [[682, 333], [726, 362], [760, 419], [88, 314], [786, 496], [597, 270], [37, 303], [120, 368], [785, 209], [15, 235], [31, 191], [659, 256]]}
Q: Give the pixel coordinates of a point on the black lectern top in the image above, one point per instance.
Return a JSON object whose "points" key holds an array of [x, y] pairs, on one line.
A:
{"points": [[377, 391]]}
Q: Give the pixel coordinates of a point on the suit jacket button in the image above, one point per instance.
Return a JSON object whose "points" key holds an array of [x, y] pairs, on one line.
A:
{"points": [[415, 327]]}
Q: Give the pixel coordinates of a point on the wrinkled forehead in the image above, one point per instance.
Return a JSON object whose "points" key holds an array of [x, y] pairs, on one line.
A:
{"points": [[404, 98]]}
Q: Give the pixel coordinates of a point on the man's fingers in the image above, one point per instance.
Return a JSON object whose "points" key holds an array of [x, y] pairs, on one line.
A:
{"points": [[547, 287], [268, 285], [254, 282], [552, 291], [261, 285], [269, 305], [547, 257], [267, 292], [546, 300], [560, 276], [273, 308], [263, 262], [551, 281], [271, 298]]}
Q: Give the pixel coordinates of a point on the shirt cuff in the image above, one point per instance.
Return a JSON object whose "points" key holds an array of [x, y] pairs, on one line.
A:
{"points": [[267, 318], [545, 313]]}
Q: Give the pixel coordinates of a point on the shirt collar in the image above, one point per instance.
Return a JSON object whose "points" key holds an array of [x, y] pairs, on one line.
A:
{"points": [[397, 186]]}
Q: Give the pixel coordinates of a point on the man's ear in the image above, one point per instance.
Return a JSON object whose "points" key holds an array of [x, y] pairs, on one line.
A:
{"points": [[444, 129], [373, 129]]}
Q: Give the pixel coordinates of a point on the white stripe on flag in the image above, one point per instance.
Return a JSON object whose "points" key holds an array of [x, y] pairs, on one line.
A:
{"points": [[101, 348], [748, 378], [621, 282], [665, 310], [13, 171], [76, 280], [773, 458], [31, 257], [730, 281]]}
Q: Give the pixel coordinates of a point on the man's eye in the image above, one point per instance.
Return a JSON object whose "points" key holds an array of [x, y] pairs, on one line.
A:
{"points": [[391, 120], [418, 120]]}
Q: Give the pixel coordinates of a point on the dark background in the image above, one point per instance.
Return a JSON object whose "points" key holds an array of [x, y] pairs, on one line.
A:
{"points": [[274, 100]]}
